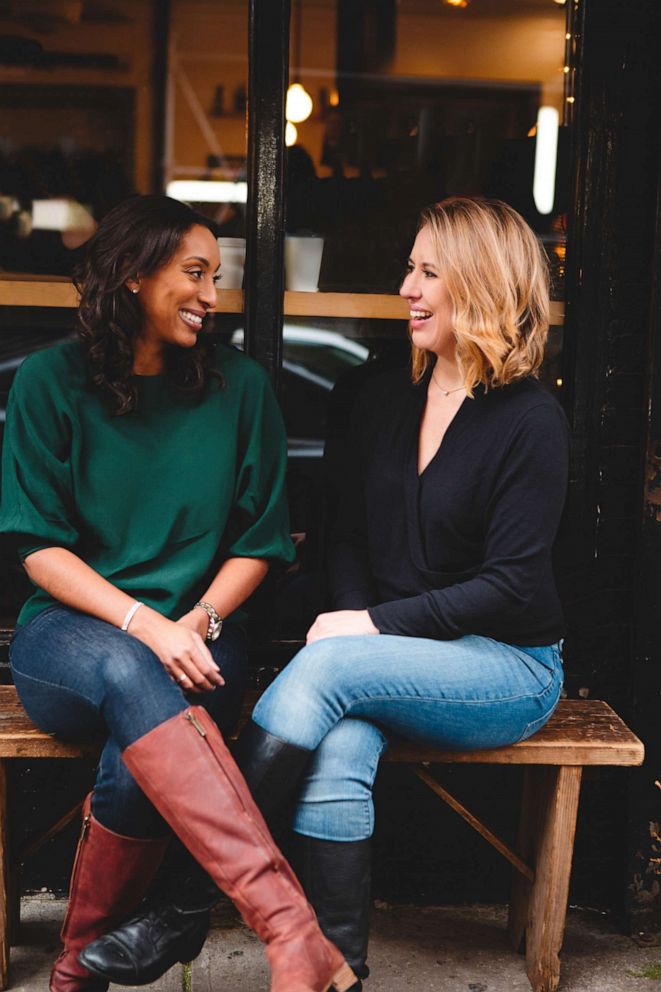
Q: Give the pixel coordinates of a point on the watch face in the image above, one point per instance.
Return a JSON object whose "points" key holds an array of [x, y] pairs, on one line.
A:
{"points": [[215, 627]]}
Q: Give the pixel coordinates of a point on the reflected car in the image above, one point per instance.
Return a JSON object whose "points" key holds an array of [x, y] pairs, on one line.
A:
{"points": [[313, 359]]}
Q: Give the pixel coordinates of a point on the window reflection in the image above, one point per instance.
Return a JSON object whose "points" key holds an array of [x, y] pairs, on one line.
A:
{"points": [[206, 107], [98, 101], [76, 105], [414, 101], [410, 101]]}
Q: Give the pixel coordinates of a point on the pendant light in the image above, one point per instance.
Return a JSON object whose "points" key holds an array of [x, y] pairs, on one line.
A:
{"points": [[299, 102]]}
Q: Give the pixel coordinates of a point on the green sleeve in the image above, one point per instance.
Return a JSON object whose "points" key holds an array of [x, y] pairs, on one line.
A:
{"points": [[37, 509], [259, 522]]}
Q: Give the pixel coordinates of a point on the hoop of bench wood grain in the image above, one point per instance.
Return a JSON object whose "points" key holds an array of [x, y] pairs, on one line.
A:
{"points": [[580, 733]]}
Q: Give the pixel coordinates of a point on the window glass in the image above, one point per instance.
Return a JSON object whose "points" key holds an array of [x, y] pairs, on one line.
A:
{"points": [[413, 101], [76, 114], [98, 101], [205, 152], [89, 115], [392, 106], [325, 363]]}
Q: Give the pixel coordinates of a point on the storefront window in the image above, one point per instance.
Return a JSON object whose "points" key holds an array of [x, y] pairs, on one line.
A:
{"points": [[392, 106], [205, 152], [99, 101], [413, 101]]}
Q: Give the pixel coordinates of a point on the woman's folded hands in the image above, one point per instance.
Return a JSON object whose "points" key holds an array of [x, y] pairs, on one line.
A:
{"points": [[180, 647]]}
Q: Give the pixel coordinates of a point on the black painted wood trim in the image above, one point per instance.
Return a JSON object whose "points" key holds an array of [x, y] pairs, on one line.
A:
{"points": [[161, 17], [608, 341], [265, 218]]}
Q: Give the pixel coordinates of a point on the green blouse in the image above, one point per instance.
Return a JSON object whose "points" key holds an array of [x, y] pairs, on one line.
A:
{"points": [[154, 500]]}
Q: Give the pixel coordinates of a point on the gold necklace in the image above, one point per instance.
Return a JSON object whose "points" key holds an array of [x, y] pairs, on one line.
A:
{"points": [[446, 392]]}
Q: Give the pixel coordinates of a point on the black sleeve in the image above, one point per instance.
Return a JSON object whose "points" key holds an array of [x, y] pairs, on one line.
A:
{"points": [[523, 514], [351, 584]]}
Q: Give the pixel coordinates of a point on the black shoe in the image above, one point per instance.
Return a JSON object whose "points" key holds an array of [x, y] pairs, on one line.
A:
{"points": [[172, 926], [336, 878]]}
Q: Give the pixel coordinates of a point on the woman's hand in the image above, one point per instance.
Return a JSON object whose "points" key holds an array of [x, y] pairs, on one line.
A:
{"points": [[180, 648], [341, 623], [196, 620]]}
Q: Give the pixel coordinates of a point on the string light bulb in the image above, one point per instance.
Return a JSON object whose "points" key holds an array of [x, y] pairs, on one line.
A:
{"points": [[455, 3], [299, 104], [291, 134]]}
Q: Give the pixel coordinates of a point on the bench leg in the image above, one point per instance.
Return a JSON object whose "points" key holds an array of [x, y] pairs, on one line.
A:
{"points": [[554, 794], [526, 848], [4, 881]]}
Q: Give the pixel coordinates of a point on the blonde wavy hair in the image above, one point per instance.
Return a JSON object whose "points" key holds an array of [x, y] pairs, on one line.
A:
{"points": [[497, 276]]}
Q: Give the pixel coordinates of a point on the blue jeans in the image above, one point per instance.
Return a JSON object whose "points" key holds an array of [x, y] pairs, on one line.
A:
{"points": [[80, 678], [342, 697]]}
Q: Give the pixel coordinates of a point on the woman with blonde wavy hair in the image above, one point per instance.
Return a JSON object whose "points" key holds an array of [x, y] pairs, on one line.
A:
{"points": [[445, 625]]}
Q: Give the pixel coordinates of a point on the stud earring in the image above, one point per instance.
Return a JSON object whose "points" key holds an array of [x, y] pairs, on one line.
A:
{"points": [[134, 290]]}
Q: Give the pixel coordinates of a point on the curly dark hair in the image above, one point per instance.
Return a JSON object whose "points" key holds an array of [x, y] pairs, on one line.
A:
{"points": [[138, 236]]}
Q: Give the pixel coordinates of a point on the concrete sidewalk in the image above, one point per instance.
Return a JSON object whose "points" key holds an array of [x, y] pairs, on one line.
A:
{"points": [[426, 950]]}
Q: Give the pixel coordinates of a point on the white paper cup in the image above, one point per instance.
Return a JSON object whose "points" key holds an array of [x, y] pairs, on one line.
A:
{"points": [[232, 260], [303, 263]]}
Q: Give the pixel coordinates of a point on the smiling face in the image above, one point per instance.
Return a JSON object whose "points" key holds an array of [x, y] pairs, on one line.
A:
{"points": [[430, 306], [176, 298]]}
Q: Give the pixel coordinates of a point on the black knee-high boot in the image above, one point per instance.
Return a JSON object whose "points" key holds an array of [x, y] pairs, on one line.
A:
{"points": [[336, 878], [272, 769]]}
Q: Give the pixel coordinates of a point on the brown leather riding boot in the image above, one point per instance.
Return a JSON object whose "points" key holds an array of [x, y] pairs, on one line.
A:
{"points": [[185, 769], [111, 874]]}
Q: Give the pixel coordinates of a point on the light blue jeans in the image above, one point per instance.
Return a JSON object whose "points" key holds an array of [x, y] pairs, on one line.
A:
{"points": [[344, 697]]}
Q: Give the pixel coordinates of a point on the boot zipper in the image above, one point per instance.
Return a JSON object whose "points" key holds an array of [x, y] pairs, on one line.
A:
{"points": [[202, 732], [74, 872], [198, 726]]}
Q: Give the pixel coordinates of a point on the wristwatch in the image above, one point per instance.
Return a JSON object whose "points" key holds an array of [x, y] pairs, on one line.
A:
{"points": [[215, 620]]}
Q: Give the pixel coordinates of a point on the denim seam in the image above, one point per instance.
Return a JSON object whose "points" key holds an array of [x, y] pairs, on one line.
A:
{"points": [[54, 685], [365, 831], [449, 699]]}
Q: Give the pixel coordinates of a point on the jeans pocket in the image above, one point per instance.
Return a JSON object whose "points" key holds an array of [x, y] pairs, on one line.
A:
{"points": [[549, 656], [534, 725]]}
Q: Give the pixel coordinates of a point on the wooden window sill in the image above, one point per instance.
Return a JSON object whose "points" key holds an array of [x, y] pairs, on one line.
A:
{"points": [[57, 291]]}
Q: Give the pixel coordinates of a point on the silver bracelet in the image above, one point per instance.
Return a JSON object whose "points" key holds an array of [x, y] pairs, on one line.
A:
{"points": [[131, 613]]}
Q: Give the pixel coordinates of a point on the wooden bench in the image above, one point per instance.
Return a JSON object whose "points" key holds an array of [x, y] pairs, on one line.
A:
{"points": [[580, 733]]}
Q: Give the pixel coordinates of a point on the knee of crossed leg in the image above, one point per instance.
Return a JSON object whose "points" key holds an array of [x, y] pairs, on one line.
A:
{"points": [[138, 692], [335, 801], [346, 761], [128, 666], [305, 701]]}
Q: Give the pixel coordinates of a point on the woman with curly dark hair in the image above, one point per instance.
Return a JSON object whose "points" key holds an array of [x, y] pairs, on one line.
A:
{"points": [[143, 485]]}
